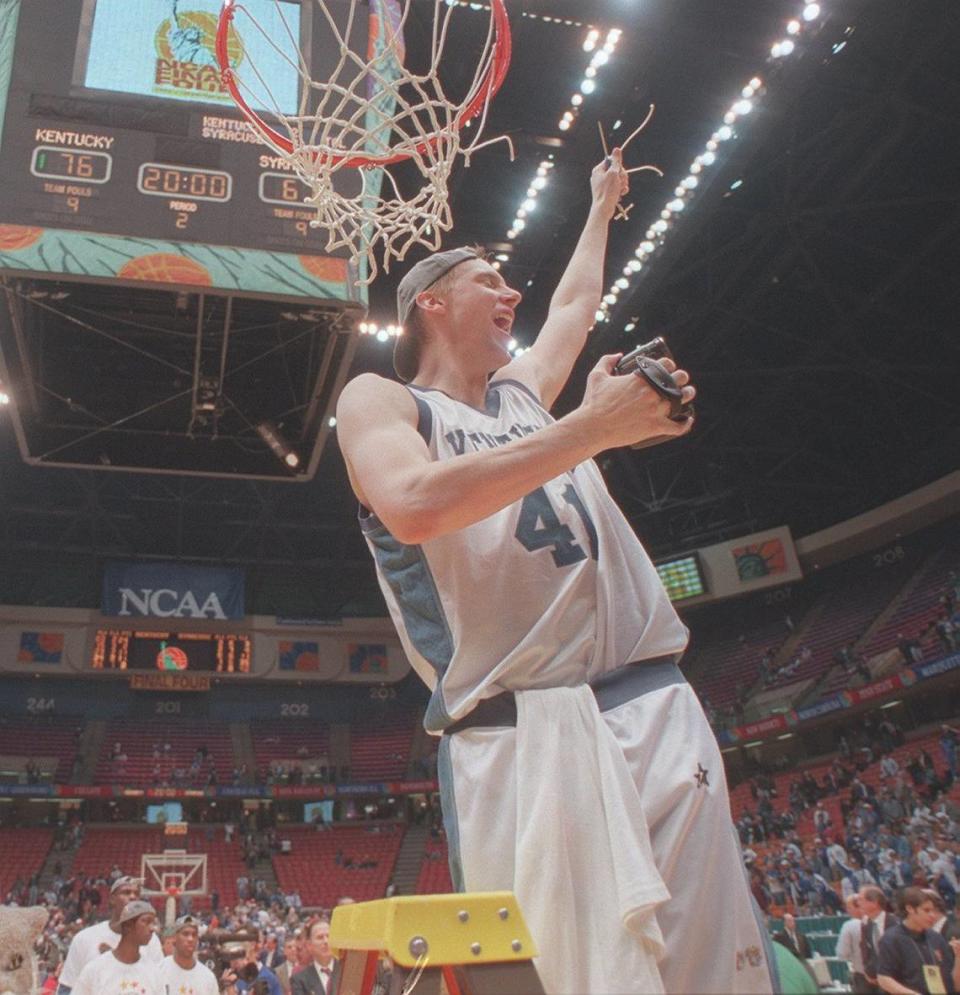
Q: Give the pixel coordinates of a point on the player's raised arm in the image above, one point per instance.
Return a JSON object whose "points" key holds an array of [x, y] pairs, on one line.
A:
{"points": [[547, 364], [418, 498]]}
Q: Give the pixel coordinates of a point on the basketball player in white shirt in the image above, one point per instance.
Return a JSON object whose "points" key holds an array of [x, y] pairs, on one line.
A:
{"points": [[124, 970], [89, 943], [181, 973], [577, 768]]}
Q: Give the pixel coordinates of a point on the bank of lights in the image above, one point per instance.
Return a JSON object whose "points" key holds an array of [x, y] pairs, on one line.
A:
{"points": [[601, 56], [683, 193], [382, 333], [529, 205]]}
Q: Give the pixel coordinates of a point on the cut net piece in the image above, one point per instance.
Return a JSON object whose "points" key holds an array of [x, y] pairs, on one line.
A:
{"points": [[369, 114]]}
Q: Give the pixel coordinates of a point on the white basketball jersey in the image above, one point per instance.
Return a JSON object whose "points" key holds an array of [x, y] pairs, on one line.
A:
{"points": [[553, 590]]}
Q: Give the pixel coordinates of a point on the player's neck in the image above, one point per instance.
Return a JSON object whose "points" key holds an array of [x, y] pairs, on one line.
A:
{"points": [[127, 950], [187, 963], [454, 377]]}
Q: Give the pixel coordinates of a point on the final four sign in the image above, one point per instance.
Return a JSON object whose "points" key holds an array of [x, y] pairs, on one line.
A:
{"points": [[172, 590]]}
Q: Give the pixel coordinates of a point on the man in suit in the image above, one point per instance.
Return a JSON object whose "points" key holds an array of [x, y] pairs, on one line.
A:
{"points": [[322, 975], [792, 939], [876, 921]]}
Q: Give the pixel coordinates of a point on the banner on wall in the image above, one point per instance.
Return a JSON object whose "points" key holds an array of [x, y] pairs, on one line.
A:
{"points": [[172, 590], [40, 647], [875, 691]]}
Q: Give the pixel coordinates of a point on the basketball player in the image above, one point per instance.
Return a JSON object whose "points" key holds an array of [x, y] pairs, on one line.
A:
{"points": [[89, 943], [577, 768], [181, 973]]}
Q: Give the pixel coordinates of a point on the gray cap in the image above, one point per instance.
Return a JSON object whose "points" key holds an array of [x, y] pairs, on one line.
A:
{"points": [[126, 880], [185, 921], [135, 909], [419, 278]]}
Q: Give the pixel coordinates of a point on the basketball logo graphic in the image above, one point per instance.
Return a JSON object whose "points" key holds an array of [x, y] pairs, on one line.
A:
{"points": [[171, 658], [14, 237], [328, 268], [191, 37], [166, 267]]}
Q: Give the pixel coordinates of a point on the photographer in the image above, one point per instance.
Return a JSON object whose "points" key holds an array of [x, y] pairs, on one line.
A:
{"points": [[247, 974]]}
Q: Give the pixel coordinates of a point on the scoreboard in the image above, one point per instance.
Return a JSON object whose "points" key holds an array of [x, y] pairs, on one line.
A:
{"points": [[106, 129], [224, 653]]}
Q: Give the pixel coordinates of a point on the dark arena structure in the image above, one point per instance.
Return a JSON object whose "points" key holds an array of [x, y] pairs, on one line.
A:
{"points": [[200, 684]]}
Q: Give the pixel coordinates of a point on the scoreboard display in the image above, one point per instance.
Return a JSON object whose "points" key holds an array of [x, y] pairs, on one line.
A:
{"points": [[224, 653], [682, 577], [116, 122]]}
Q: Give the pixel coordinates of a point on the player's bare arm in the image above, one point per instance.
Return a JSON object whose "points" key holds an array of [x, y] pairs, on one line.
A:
{"points": [[417, 498], [546, 366]]}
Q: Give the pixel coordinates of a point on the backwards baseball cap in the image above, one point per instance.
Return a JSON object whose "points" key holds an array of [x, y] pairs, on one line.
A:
{"points": [[418, 279], [135, 909], [184, 921], [126, 881]]}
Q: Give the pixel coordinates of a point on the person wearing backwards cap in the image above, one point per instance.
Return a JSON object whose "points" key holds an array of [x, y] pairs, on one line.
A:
{"points": [[577, 768], [94, 940], [181, 973], [123, 970]]}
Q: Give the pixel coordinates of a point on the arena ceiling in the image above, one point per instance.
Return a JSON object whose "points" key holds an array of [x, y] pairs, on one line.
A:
{"points": [[810, 286]]}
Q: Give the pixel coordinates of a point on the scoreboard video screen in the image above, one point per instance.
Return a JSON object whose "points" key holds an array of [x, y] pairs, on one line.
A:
{"points": [[224, 653], [117, 122], [682, 577]]}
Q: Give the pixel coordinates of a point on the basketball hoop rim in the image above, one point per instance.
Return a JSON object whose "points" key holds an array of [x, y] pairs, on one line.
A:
{"points": [[486, 90]]}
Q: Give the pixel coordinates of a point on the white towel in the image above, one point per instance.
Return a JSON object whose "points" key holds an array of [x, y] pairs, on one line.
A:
{"points": [[585, 875]]}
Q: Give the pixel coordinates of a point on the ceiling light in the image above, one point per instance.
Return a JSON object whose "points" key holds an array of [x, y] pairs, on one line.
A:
{"points": [[590, 42], [540, 182], [292, 460], [660, 226], [512, 233], [602, 57], [519, 224], [363, 328], [708, 158], [729, 118], [811, 12], [676, 205], [4, 397], [725, 133], [647, 246], [331, 422], [793, 27], [756, 82], [610, 298], [623, 283], [382, 335], [564, 125], [588, 86], [630, 326], [576, 99], [512, 344], [743, 106], [529, 204], [521, 214], [502, 257], [634, 265]]}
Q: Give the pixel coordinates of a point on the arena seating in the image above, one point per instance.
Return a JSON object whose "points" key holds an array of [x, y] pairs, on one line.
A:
{"points": [[22, 853], [138, 738], [34, 739], [104, 847], [434, 877], [291, 741], [313, 870], [380, 746], [919, 610]]}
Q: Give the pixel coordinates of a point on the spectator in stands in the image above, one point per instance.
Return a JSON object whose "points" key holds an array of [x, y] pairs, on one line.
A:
{"points": [[876, 921], [945, 925], [246, 973], [947, 633], [910, 649], [792, 939], [322, 975], [914, 957], [949, 737], [889, 766], [848, 946], [89, 943]]}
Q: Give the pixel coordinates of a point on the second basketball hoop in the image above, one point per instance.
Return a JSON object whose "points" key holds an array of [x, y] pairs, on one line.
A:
{"points": [[369, 113]]}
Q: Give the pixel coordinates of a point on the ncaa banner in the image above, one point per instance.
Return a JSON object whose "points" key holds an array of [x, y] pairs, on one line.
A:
{"points": [[172, 590]]}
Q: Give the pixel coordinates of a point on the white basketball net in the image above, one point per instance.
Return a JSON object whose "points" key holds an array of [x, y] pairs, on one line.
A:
{"points": [[370, 108]]}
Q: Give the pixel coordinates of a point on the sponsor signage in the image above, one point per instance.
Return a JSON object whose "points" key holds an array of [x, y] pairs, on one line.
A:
{"points": [[875, 691], [172, 590], [166, 681]]}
